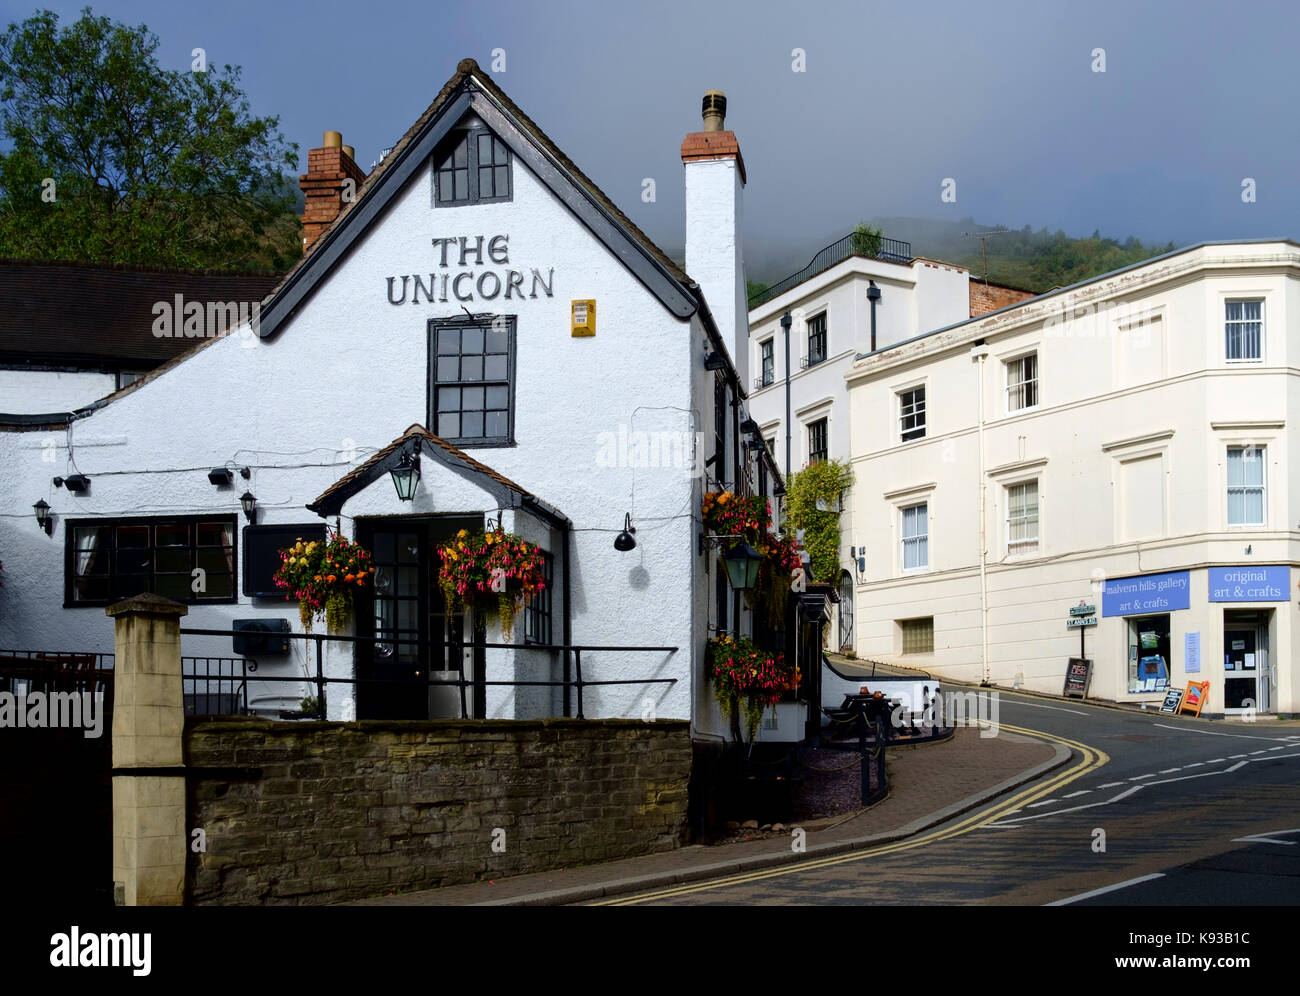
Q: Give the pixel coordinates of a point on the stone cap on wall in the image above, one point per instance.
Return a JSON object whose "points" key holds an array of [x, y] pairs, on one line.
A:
{"points": [[146, 604]]}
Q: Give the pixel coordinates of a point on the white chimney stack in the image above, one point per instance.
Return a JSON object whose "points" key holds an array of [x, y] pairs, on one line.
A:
{"points": [[715, 181]]}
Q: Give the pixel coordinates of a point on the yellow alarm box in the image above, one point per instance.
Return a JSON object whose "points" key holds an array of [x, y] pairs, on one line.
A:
{"points": [[584, 318]]}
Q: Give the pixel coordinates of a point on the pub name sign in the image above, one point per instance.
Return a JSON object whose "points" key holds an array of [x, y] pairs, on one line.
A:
{"points": [[471, 268]]}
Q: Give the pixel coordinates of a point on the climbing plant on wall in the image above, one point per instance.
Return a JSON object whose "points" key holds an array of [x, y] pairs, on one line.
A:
{"points": [[826, 480]]}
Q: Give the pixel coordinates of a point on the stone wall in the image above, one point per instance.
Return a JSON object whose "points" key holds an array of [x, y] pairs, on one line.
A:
{"points": [[347, 810]]}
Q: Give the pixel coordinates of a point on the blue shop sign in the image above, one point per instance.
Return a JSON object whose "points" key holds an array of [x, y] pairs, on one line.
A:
{"points": [[1250, 584], [1145, 594]]}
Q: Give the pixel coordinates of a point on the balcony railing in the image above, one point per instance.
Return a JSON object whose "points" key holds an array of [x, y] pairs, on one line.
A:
{"points": [[853, 244]]}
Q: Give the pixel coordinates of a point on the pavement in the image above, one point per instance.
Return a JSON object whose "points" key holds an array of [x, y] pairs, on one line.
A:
{"points": [[929, 785]]}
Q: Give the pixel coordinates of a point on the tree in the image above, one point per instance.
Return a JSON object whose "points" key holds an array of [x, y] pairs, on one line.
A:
{"points": [[866, 240], [826, 480], [109, 157], [753, 288]]}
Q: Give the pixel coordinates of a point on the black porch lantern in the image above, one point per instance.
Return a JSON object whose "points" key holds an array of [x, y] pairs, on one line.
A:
{"points": [[406, 475], [742, 562], [43, 517], [249, 505], [624, 541]]}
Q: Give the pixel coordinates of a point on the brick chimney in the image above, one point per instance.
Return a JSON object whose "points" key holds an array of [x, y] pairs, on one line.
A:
{"points": [[325, 185], [715, 181]]}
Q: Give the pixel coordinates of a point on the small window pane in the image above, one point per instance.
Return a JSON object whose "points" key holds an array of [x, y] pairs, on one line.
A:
{"points": [[449, 399], [498, 340], [449, 426], [496, 424], [502, 186], [471, 424], [500, 153], [172, 559], [471, 341], [498, 397], [471, 368], [484, 148], [448, 368], [495, 368], [472, 399], [449, 340], [462, 185], [485, 182]]}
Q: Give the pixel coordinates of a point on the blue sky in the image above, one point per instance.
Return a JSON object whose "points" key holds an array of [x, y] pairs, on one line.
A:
{"points": [[1001, 97]]}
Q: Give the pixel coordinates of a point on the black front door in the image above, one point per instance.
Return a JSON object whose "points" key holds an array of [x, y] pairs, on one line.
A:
{"points": [[415, 636]]}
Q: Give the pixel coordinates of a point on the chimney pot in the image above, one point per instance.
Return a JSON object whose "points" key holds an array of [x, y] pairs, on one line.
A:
{"points": [[715, 110], [350, 152], [333, 140]]}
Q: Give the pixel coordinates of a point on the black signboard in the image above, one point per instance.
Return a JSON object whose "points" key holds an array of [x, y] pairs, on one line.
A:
{"points": [[1172, 699], [1078, 675], [262, 546]]}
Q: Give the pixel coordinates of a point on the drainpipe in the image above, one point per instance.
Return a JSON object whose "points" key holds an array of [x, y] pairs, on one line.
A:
{"points": [[786, 322], [980, 352], [873, 295]]}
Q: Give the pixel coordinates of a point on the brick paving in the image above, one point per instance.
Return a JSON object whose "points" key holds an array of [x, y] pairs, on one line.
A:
{"points": [[926, 781]]}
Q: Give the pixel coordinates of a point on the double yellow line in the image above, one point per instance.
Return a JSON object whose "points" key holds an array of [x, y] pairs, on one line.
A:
{"points": [[1090, 758]]}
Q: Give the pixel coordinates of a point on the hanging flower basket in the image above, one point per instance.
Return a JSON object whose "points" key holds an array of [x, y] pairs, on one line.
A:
{"points": [[748, 679], [485, 570], [323, 577]]}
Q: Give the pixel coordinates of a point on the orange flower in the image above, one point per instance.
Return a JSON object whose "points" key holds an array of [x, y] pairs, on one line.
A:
{"points": [[331, 579], [349, 578]]}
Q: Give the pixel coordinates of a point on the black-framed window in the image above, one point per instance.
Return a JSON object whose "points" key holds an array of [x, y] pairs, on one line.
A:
{"points": [[818, 441], [817, 339], [537, 610], [471, 167], [768, 352], [471, 380], [111, 559], [720, 428]]}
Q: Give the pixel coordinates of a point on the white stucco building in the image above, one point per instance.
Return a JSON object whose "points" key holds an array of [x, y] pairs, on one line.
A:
{"points": [[1122, 443], [480, 307], [830, 308]]}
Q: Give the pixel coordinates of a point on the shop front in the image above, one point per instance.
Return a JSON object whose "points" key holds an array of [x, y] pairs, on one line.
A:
{"points": [[1249, 633], [1147, 605]]}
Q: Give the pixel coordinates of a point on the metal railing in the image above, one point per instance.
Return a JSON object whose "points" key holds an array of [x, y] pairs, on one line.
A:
{"points": [[853, 244], [462, 683]]}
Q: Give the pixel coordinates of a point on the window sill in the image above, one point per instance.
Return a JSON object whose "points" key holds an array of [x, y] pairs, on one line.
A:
{"points": [[479, 443]]}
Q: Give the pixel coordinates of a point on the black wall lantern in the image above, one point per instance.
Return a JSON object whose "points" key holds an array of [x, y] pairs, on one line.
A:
{"points": [[75, 483], [624, 541], [43, 517], [715, 361], [222, 477], [742, 562], [406, 475], [249, 504]]}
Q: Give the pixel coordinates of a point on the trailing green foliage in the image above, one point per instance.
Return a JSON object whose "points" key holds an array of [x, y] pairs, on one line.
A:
{"points": [[109, 157], [866, 239], [827, 480]]}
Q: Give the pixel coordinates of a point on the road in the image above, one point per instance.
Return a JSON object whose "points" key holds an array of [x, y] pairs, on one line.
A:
{"points": [[1151, 810]]}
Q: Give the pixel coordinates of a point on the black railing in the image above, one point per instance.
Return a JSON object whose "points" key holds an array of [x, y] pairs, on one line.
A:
{"points": [[853, 244], [216, 686], [320, 680]]}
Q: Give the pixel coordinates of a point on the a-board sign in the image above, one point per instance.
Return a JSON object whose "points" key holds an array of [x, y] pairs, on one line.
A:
{"points": [[1194, 698], [1173, 698], [1078, 675]]}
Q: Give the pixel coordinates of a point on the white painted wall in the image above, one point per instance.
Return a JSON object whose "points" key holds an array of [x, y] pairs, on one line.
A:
{"points": [[714, 255], [1129, 365], [40, 392]]}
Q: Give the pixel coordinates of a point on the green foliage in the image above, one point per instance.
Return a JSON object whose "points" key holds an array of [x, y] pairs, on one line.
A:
{"points": [[828, 480], [866, 240], [753, 288], [1025, 259], [149, 166]]}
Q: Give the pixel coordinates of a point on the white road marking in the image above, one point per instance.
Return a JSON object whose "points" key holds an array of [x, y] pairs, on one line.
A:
{"points": [[1036, 705], [1045, 802], [1267, 838], [1168, 770], [1075, 809], [1211, 733], [1218, 760], [1080, 792], [1109, 888], [1257, 751], [1138, 778], [1110, 785], [1282, 747], [1195, 764], [1239, 764], [1233, 757]]}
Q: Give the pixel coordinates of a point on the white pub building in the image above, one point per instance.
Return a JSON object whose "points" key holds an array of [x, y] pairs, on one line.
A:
{"points": [[478, 310]]}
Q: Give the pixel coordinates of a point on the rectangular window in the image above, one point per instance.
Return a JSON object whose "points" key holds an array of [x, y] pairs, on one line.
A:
{"points": [[768, 353], [1022, 518], [537, 610], [1022, 383], [911, 414], [1245, 486], [816, 339], [1149, 661], [916, 536], [187, 559], [1244, 331], [818, 446], [473, 381], [471, 167], [720, 429], [918, 635]]}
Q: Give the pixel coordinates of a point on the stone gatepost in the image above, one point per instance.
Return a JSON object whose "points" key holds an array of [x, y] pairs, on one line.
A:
{"points": [[148, 723]]}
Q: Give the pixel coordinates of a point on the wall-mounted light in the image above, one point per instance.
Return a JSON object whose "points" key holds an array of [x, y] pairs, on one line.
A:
{"points": [[73, 482], [249, 504], [715, 361], [624, 541], [43, 517], [749, 426], [222, 477], [742, 562], [406, 475]]}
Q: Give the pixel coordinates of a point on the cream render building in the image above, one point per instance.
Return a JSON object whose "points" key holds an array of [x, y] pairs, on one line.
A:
{"points": [[1122, 444]]}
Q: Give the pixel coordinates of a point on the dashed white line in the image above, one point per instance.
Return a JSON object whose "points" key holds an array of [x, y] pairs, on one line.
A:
{"points": [[1233, 757], [1195, 764], [1109, 888], [1138, 778], [1261, 751], [1080, 792], [1045, 802], [1282, 747], [1219, 760], [1169, 770], [1110, 785], [1211, 733]]}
